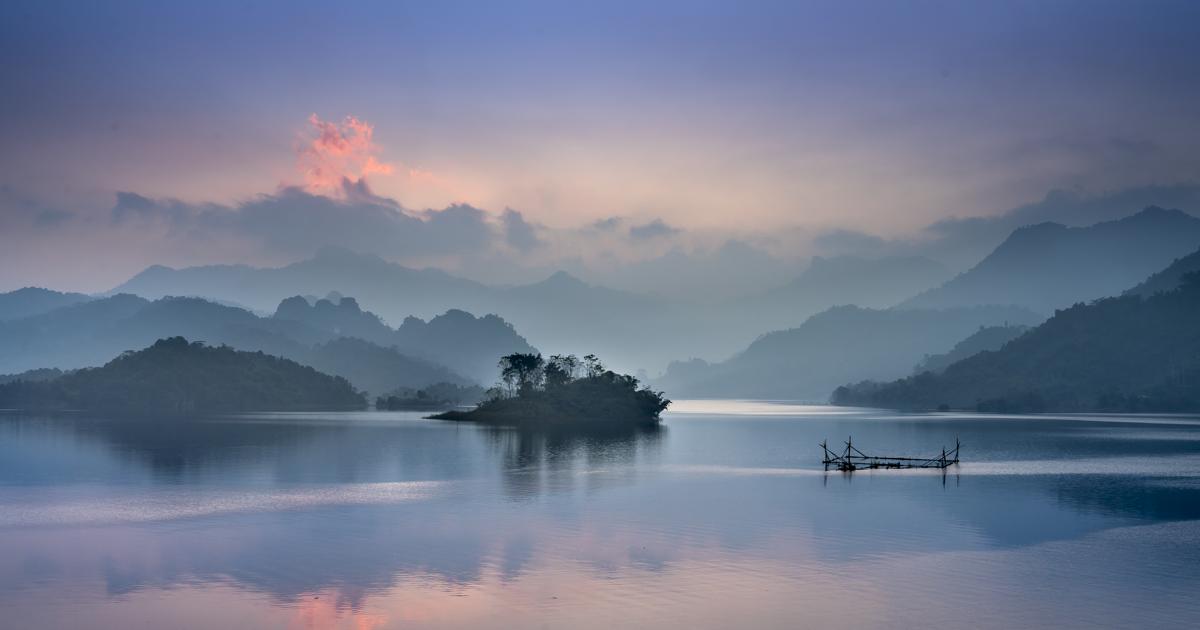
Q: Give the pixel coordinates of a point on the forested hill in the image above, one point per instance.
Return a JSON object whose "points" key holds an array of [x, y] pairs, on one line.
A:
{"points": [[92, 333], [986, 338], [1050, 266], [840, 345], [174, 376], [1129, 353], [456, 339], [35, 301], [1168, 279]]}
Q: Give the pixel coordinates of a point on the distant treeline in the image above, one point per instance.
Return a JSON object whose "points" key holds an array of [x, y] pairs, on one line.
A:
{"points": [[438, 395], [1122, 354], [174, 376]]}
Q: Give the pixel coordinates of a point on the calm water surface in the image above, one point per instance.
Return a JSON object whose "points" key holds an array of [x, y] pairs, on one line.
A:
{"points": [[722, 519]]}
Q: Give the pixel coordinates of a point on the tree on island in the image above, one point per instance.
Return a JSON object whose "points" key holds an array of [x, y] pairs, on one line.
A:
{"points": [[522, 372], [561, 391]]}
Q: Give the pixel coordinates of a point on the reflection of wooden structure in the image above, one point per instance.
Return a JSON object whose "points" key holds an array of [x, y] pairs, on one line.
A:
{"points": [[853, 459]]}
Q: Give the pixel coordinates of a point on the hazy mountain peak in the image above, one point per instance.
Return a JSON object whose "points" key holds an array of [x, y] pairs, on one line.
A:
{"points": [[333, 257], [1045, 227], [1047, 266], [336, 253], [806, 362], [349, 304], [150, 273], [292, 308], [871, 282], [385, 287], [562, 279], [456, 314], [346, 305], [1158, 213], [1170, 278], [30, 301], [341, 318]]}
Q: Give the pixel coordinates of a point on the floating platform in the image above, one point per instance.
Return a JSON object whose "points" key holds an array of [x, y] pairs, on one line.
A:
{"points": [[852, 459]]}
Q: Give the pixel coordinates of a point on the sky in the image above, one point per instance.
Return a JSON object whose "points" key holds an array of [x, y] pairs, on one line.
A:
{"points": [[479, 136]]}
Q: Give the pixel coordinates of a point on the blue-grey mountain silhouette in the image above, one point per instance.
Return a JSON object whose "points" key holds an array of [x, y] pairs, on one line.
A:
{"points": [[35, 301], [1128, 353], [323, 335], [1170, 278], [842, 344], [1048, 266], [173, 376], [986, 338]]}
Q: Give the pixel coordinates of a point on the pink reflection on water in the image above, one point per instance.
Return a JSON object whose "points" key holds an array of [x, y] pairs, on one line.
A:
{"points": [[706, 588]]}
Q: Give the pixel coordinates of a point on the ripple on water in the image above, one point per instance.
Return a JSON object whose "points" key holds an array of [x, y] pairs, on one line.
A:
{"points": [[161, 505]]}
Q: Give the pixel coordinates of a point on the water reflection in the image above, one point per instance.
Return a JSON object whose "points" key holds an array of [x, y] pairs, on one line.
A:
{"points": [[390, 519], [548, 460]]}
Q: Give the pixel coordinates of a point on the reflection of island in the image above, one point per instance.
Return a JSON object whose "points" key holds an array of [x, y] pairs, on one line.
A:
{"points": [[536, 461], [564, 392], [357, 537], [507, 505]]}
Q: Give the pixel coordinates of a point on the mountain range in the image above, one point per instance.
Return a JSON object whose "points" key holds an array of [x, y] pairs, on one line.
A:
{"points": [[469, 345], [1038, 269], [963, 241], [566, 313], [809, 361], [832, 322], [1049, 266], [1128, 353], [35, 301], [562, 313], [173, 376], [1170, 278], [337, 338], [984, 339]]}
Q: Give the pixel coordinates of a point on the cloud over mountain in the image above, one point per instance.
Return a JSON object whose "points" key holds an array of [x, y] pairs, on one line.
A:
{"points": [[519, 233], [653, 229], [962, 241], [339, 152], [295, 223]]}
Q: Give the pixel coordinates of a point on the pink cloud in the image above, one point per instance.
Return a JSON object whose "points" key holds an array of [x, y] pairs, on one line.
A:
{"points": [[340, 152]]}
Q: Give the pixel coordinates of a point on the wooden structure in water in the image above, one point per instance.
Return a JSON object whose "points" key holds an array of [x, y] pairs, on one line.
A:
{"points": [[853, 459]]}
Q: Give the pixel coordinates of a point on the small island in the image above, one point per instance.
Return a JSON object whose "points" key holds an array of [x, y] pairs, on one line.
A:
{"points": [[178, 377], [563, 392]]}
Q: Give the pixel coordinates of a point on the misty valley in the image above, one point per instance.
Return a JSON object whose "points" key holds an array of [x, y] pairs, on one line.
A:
{"points": [[1095, 318], [301, 446]]}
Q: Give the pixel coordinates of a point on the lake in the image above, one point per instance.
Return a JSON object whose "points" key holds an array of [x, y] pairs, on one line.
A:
{"points": [[723, 518]]}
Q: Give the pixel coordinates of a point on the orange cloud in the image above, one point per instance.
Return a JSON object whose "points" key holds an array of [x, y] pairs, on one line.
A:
{"points": [[340, 152]]}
